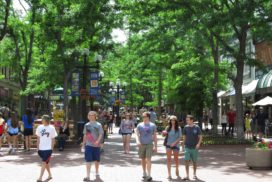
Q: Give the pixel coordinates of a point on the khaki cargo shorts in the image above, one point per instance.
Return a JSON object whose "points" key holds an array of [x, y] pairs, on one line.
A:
{"points": [[145, 151]]}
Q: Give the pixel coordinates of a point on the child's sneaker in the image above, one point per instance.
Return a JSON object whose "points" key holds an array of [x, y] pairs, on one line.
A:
{"points": [[149, 178]]}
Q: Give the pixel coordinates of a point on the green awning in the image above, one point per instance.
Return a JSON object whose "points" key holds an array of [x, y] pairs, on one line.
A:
{"points": [[265, 81]]}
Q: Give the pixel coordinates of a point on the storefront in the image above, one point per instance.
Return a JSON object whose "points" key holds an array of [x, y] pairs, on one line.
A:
{"points": [[9, 95]]}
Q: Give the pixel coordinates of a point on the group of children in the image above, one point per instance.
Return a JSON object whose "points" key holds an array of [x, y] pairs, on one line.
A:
{"points": [[146, 139], [11, 127]]}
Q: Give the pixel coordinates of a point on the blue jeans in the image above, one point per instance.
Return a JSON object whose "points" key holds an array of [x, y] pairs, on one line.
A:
{"points": [[61, 142]]}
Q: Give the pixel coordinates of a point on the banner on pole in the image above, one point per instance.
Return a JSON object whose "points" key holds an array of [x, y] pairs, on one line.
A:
{"points": [[75, 84], [94, 86]]}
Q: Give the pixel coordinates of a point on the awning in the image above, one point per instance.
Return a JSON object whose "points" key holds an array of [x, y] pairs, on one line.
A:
{"points": [[264, 102], [247, 89], [265, 81], [220, 93]]}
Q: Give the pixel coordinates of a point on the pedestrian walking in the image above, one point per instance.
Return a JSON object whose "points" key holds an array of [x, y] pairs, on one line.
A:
{"points": [[93, 134], [173, 144], [153, 115], [191, 140], [127, 126], [224, 123], [46, 135], [28, 122], [146, 139], [253, 125], [205, 119], [231, 115], [111, 120], [261, 119], [12, 130], [248, 120]]}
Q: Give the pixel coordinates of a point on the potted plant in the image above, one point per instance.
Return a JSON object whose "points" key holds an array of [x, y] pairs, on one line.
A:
{"points": [[260, 155]]}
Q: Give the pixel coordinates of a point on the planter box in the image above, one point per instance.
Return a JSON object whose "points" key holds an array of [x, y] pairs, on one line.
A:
{"points": [[258, 159]]}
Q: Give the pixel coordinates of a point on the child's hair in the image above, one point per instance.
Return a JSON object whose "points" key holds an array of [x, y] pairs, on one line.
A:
{"points": [[46, 118], [29, 115], [14, 121], [191, 117]]}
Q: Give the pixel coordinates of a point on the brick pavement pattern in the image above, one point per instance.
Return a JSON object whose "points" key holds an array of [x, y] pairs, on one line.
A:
{"points": [[217, 164]]}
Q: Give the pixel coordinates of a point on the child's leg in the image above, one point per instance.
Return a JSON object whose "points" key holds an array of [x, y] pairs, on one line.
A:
{"points": [[96, 167], [176, 159], [128, 143], [42, 170], [47, 166], [88, 168], [9, 141]]}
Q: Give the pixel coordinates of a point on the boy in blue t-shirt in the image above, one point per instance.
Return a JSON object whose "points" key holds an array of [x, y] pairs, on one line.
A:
{"points": [[192, 139]]}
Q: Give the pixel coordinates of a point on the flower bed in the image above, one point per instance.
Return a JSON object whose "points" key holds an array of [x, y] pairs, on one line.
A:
{"points": [[224, 140]]}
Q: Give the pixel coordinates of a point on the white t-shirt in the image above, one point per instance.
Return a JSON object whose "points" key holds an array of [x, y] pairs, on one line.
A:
{"points": [[46, 134]]}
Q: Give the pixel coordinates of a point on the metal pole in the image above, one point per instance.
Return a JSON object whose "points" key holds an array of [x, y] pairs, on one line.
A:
{"points": [[84, 84], [131, 95], [118, 107]]}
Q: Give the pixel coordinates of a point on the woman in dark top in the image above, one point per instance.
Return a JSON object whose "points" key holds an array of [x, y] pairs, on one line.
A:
{"points": [[64, 133], [28, 121]]}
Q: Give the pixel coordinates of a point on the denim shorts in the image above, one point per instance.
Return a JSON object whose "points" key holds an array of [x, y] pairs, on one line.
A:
{"points": [[12, 134], [175, 148], [92, 154], [45, 155]]}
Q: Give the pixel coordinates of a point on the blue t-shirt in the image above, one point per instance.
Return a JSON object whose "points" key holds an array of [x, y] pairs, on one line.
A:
{"points": [[26, 124], [173, 136], [126, 126], [146, 132], [192, 136], [12, 130]]}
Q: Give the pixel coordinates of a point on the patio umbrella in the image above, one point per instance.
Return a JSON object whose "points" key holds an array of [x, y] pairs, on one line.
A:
{"points": [[264, 102]]}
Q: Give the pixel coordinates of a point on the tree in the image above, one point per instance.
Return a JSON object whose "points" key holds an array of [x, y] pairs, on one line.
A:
{"points": [[5, 6]]}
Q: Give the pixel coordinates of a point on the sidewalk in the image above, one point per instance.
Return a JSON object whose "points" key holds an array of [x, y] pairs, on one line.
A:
{"points": [[217, 164]]}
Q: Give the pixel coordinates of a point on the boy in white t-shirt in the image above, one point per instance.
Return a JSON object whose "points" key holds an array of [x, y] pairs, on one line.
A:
{"points": [[45, 144]]}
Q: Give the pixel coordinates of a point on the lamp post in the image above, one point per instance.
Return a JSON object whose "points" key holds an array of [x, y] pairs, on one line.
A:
{"points": [[117, 88], [85, 70], [83, 91]]}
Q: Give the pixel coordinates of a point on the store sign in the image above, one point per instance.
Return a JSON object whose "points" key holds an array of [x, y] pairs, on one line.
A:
{"points": [[55, 97], [94, 86], [75, 84]]}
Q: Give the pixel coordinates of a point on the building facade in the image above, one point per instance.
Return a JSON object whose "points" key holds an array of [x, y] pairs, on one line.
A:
{"points": [[9, 90]]}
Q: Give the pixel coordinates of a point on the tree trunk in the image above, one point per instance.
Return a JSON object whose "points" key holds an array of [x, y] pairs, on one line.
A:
{"points": [[160, 93], [215, 52], [5, 26], [239, 82], [131, 94], [65, 95]]}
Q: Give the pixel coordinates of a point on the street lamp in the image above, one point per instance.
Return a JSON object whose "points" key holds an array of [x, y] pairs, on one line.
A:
{"points": [[117, 88], [85, 69]]}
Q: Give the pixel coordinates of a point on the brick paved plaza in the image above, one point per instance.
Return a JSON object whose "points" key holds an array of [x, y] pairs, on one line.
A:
{"points": [[217, 164]]}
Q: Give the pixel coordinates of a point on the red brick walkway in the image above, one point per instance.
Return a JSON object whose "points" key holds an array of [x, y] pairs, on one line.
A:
{"points": [[217, 164]]}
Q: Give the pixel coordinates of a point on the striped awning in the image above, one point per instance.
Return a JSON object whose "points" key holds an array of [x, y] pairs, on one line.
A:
{"points": [[247, 89], [265, 81]]}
